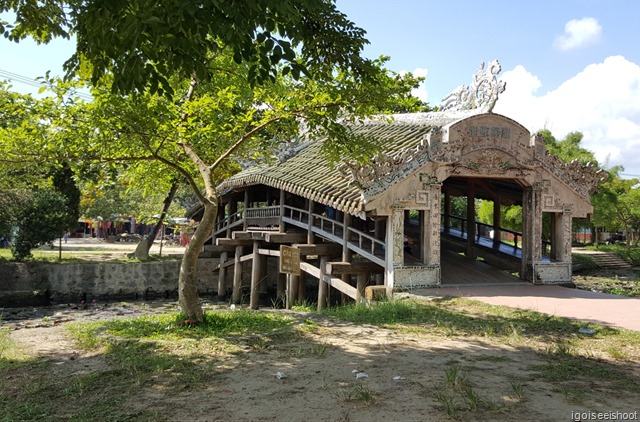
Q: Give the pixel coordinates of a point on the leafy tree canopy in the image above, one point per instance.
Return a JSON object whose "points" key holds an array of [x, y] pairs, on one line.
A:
{"points": [[143, 43]]}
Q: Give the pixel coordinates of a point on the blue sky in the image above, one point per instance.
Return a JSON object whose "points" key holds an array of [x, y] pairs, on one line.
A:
{"points": [[569, 64]]}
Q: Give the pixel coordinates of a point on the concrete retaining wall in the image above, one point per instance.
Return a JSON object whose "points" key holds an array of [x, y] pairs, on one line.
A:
{"points": [[40, 283]]}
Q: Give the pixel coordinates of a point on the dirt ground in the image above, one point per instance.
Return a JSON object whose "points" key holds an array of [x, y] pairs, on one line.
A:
{"points": [[406, 376], [337, 372]]}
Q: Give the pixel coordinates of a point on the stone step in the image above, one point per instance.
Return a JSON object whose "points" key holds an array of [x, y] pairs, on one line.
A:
{"points": [[609, 260]]}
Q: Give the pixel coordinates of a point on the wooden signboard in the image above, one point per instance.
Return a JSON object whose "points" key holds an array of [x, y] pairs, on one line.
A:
{"points": [[289, 260]]}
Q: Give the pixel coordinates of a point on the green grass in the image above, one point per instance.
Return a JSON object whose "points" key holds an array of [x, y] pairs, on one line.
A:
{"points": [[147, 352], [218, 324]]}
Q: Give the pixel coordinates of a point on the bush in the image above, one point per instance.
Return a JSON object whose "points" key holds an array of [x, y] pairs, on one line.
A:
{"points": [[42, 219]]}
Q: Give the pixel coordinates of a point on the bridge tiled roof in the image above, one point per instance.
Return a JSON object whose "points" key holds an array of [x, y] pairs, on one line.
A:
{"points": [[309, 174]]}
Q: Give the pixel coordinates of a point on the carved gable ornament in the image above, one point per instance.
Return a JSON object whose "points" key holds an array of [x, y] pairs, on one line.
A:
{"points": [[482, 94]]}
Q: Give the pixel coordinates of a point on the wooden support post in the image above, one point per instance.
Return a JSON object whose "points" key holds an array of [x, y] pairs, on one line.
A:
{"points": [[281, 288], [233, 208], [237, 277], [346, 252], [497, 236], [222, 275], [262, 283], [322, 285], [471, 221], [289, 298], [302, 290], [281, 227], [310, 236], [294, 288], [254, 298], [245, 206], [362, 280]]}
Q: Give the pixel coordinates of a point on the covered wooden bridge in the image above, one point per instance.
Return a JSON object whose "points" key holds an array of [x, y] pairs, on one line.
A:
{"points": [[387, 224]]}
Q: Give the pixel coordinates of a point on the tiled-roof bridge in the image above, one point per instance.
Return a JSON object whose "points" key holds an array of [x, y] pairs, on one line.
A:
{"points": [[351, 221]]}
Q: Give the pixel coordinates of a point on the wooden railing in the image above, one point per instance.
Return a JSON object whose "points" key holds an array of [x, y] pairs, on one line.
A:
{"points": [[359, 242], [263, 212], [228, 222], [482, 229]]}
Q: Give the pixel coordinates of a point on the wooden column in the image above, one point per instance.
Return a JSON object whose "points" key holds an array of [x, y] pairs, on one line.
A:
{"points": [[236, 296], [222, 275], [322, 286], [281, 227], [310, 237], [292, 290], [346, 252], [233, 208], [254, 298], [497, 236], [361, 284], [471, 222], [244, 210], [281, 288]]}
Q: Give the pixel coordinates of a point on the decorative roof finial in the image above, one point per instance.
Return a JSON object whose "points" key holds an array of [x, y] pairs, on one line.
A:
{"points": [[481, 94]]}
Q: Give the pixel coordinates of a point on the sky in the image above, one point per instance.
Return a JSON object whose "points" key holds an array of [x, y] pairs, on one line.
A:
{"points": [[569, 65]]}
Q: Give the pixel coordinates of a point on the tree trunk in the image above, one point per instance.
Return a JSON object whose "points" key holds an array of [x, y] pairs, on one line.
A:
{"points": [[187, 287], [143, 248]]}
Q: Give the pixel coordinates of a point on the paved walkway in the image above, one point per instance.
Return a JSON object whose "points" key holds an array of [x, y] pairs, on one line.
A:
{"points": [[599, 308]]}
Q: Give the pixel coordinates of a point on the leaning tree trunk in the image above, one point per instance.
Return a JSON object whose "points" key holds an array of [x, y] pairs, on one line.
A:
{"points": [[187, 283], [143, 248]]}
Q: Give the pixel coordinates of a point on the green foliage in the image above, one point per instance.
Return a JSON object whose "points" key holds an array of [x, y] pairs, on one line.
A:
{"points": [[569, 148], [144, 43], [217, 324], [43, 219]]}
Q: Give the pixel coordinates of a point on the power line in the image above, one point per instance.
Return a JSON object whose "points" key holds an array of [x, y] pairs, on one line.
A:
{"points": [[32, 82]]}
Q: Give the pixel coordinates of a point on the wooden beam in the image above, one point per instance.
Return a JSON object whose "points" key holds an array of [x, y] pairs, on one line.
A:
{"points": [[269, 252], [234, 242], [336, 268], [247, 235], [340, 285], [216, 250], [291, 237], [331, 249]]}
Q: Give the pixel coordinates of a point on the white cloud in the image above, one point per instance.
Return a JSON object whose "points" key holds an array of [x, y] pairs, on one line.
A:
{"points": [[578, 33], [602, 102]]}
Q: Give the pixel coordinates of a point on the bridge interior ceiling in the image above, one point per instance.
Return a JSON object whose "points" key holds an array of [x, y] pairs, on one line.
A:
{"points": [[507, 191]]}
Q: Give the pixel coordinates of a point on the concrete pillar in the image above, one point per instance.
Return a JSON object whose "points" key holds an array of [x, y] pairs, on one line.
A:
{"points": [[395, 245], [432, 227], [531, 232], [379, 232]]}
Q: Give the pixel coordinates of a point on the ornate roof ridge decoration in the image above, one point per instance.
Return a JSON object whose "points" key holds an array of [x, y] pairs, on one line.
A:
{"points": [[365, 175], [583, 178], [481, 95]]}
